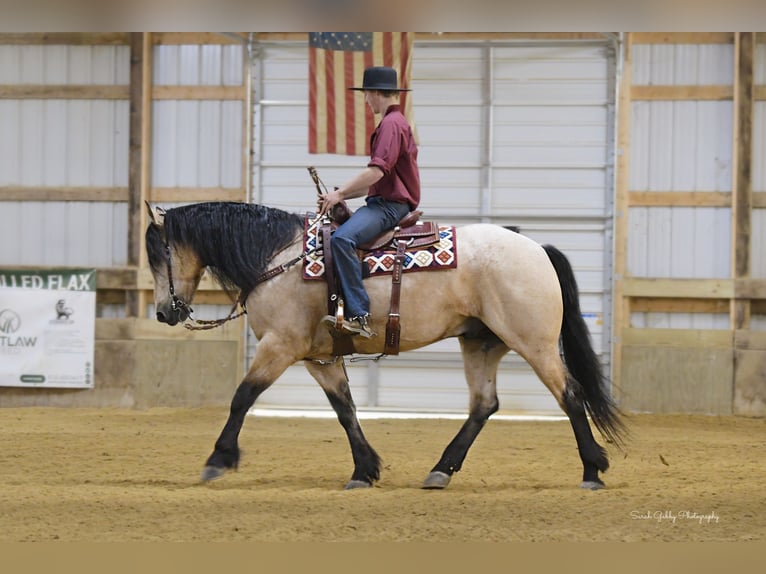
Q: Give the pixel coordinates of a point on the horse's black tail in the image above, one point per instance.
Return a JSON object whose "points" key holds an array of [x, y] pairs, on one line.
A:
{"points": [[580, 358]]}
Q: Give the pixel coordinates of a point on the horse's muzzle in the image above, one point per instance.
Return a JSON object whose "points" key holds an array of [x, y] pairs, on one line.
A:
{"points": [[171, 316]]}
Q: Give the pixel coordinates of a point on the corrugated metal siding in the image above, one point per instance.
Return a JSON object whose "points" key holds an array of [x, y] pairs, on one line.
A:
{"points": [[677, 146], [197, 143], [64, 143], [512, 134]]}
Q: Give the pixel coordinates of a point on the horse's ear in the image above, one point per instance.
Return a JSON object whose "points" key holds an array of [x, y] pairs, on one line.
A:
{"points": [[156, 214]]}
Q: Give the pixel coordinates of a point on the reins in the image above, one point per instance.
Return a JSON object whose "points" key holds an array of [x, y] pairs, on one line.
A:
{"points": [[193, 324], [177, 303]]}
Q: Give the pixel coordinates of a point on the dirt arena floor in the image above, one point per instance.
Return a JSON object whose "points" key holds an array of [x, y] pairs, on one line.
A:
{"points": [[122, 475]]}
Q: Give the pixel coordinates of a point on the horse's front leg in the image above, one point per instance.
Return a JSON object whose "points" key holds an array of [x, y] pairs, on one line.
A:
{"points": [[481, 358], [272, 357], [332, 379]]}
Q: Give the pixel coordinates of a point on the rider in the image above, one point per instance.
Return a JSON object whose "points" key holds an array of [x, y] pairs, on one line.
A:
{"points": [[391, 182]]}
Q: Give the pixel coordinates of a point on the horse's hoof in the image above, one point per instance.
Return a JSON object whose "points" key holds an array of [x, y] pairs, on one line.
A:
{"points": [[354, 484], [212, 473], [592, 485], [436, 480]]}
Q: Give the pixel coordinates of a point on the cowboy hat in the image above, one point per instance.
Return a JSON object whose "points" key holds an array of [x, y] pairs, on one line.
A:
{"points": [[380, 78]]}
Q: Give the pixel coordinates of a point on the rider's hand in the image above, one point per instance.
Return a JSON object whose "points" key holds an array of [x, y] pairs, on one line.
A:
{"points": [[326, 201]]}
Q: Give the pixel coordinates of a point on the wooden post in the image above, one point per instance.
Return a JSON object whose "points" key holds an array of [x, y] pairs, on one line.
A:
{"points": [[742, 157], [620, 303], [139, 156]]}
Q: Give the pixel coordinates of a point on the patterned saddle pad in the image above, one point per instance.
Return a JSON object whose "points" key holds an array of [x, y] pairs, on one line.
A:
{"points": [[441, 255]]}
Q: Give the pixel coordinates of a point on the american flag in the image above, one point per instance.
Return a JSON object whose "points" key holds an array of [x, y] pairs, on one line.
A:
{"points": [[339, 120]]}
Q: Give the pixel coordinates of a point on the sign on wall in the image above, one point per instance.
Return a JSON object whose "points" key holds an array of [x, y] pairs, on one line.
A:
{"points": [[47, 327]]}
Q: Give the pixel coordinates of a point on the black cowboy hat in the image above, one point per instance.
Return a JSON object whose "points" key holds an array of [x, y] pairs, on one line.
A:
{"points": [[380, 78]]}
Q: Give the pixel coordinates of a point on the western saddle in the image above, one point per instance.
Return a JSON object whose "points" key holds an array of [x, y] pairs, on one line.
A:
{"points": [[410, 232]]}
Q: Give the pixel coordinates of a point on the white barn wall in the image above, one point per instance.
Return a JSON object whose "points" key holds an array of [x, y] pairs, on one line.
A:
{"points": [[677, 146], [197, 143], [63, 143]]}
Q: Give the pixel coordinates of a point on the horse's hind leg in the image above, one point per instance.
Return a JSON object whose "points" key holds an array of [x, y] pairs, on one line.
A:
{"points": [[552, 372], [480, 358], [592, 454], [332, 379]]}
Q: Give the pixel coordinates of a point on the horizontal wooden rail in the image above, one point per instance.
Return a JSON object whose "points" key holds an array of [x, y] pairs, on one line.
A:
{"points": [[670, 93], [682, 37], [95, 193], [666, 288], [65, 38], [198, 92], [706, 338], [71, 193], [190, 194], [64, 92], [117, 92], [682, 288], [122, 38], [679, 199], [115, 329]]}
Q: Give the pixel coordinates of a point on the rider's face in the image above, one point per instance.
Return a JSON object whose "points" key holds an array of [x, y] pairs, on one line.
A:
{"points": [[374, 100]]}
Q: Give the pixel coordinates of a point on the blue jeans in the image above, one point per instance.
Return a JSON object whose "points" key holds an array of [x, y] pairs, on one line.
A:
{"points": [[364, 225]]}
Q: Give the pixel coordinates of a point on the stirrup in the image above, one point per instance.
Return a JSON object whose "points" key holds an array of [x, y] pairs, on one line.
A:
{"points": [[353, 326]]}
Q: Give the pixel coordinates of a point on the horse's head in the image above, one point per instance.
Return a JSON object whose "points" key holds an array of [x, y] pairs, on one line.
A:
{"points": [[176, 269]]}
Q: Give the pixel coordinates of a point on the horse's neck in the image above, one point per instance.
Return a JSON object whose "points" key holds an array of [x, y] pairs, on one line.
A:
{"points": [[285, 254]]}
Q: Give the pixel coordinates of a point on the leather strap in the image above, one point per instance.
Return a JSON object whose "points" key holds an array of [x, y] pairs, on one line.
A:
{"points": [[329, 269], [393, 328], [342, 344]]}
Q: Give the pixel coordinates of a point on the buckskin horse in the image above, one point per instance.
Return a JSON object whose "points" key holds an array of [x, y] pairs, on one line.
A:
{"points": [[506, 293]]}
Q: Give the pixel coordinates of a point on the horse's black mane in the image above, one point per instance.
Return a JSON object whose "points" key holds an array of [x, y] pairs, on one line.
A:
{"points": [[234, 240]]}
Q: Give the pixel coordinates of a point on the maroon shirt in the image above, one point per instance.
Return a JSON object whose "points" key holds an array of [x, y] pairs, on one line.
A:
{"points": [[393, 150]]}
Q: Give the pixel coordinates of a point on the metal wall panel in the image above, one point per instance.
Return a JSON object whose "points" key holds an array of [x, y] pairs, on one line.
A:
{"points": [[50, 142], [197, 143], [677, 146], [511, 134]]}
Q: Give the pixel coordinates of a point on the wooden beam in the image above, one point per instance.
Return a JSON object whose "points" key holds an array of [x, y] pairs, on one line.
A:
{"points": [[679, 199], [759, 199], [742, 159], [755, 340], [66, 38], [696, 338], [747, 288], [670, 305], [146, 157], [198, 93], [683, 37], [201, 38], [453, 36], [621, 304], [64, 92], [142, 328], [139, 156], [247, 124], [191, 194], [672, 93], [123, 278], [678, 288], [23, 193], [760, 93]]}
